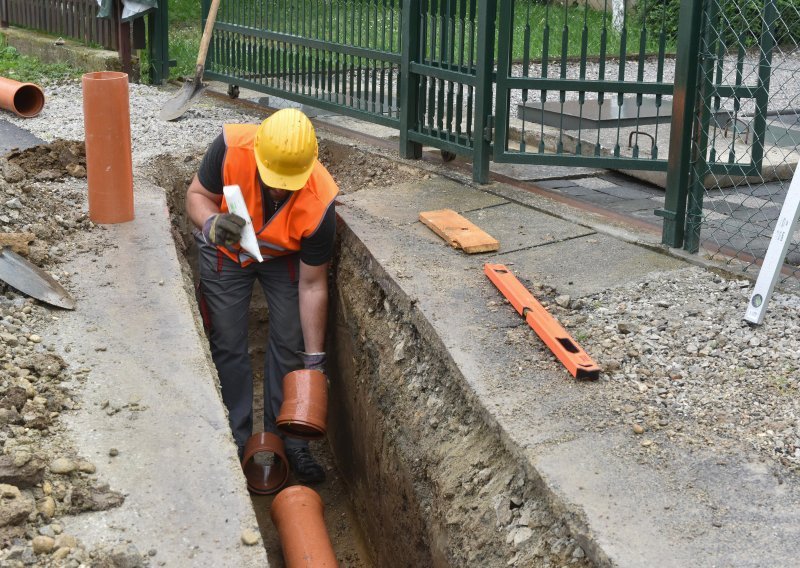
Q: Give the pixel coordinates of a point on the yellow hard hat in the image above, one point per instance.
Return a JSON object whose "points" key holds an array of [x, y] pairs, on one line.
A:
{"points": [[286, 149]]}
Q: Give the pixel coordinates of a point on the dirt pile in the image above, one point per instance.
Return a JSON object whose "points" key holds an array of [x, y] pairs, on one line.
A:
{"points": [[355, 169], [41, 476], [52, 161]]}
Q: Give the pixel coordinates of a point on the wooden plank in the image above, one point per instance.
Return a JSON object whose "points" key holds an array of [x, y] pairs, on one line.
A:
{"points": [[458, 231]]}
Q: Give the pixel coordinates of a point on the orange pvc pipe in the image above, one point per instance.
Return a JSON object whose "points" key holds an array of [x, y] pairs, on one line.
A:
{"points": [[109, 164], [24, 99], [297, 513]]}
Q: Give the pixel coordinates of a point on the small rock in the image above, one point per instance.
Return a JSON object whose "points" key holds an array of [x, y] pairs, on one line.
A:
{"points": [[646, 443], [113, 452], [522, 536], [399, 351], [14, 505], [626, 327], [76, 170], [578, 552], [126, 556], [35, 338], [43, 544], [62, 466], [66, 541], [47, 507], [563, 300], [86, 467], [638, 429], [61, 553], [250, 537]]}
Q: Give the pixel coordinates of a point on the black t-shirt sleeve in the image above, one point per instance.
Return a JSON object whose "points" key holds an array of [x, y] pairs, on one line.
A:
{"points": [[210, 174], [317, 248]]}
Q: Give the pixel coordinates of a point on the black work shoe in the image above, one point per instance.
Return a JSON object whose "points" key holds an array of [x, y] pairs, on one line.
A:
{"points": [[305, 467]]}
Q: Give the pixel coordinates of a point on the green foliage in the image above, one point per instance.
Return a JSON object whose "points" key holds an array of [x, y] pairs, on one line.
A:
{"points": [[740, 20], [14, 65], [184, 12]]}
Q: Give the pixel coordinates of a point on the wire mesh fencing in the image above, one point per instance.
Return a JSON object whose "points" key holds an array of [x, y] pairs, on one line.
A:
{"points": [[749, 116]]}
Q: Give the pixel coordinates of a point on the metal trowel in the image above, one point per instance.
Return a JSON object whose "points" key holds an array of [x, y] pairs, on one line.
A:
{"points": [[193, 88], [32, 280]]}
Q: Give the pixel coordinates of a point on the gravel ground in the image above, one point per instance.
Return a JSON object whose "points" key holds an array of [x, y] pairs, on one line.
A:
{"points": [[62, 117], [680, 364]]}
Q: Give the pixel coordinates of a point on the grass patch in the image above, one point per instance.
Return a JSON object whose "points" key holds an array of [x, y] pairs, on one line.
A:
{"points": [[24, 68], [184, 36]]}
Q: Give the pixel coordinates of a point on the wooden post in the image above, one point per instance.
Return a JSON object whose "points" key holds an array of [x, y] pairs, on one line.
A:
{"points": [[124, 40], [3, 13]]}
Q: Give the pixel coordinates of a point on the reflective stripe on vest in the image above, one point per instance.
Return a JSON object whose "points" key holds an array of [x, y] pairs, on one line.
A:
{"points": [[300, 216]]}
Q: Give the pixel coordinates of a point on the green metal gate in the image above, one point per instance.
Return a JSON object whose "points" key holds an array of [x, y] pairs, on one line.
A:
{"points": [[580, 101]]}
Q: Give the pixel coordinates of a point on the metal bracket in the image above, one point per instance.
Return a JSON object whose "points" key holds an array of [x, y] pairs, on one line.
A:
{"points": [[488, 131], [666, 214]]}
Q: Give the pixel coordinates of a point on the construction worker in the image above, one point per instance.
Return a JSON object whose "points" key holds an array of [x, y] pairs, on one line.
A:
{"points": [[290, 197]]}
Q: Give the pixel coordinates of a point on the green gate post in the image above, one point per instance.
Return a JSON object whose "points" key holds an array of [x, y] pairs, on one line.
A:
{"points": [[409, 82], [684, 100], [709, 45], [158, 43], [767, 46], [481, 151]]}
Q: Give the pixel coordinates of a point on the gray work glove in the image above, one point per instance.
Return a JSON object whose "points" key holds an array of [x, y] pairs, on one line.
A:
{"points": [[223, 229], [314, 361]]}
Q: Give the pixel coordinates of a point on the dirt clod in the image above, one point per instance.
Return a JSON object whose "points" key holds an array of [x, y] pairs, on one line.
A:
{"points": [[48, 161]]}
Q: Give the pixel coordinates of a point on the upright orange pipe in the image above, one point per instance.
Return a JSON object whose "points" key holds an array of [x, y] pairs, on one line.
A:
{"points": [[109, 165], [297, 513], [25, 99]]}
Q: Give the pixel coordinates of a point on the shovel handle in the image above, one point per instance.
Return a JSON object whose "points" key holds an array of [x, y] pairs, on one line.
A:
{"points": [[201, 55]]}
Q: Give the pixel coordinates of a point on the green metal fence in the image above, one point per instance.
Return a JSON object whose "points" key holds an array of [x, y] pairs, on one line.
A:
{"points": [[680, 87], [341, 55]]}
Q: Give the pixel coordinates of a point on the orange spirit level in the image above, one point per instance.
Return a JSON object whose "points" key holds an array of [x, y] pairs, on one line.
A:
{"points": [[575, 359]]}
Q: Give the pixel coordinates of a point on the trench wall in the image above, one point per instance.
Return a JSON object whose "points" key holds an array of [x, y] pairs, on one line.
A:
{"points": [[430, 476]]}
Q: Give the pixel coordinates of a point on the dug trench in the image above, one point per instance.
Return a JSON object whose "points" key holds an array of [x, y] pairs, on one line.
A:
{"points": [[417, 473]]}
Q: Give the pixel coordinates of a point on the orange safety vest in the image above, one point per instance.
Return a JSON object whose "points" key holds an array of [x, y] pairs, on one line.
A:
{"points": [[299, 216]]}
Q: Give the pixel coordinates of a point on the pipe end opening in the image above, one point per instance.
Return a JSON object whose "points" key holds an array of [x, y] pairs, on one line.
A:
{"points": [[28, 101]]}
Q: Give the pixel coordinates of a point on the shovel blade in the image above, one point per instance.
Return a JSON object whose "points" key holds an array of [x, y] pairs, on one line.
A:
{"points": [[180, 103], [33, 281]]}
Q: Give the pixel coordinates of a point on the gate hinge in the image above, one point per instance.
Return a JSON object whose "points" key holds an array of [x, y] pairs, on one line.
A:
{"points": [[488, 130]]}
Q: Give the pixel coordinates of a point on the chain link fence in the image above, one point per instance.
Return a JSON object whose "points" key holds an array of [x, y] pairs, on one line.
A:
{"points": [[749, 115]]}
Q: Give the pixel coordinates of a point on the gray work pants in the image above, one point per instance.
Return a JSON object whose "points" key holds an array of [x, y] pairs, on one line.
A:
{"points": [[225, 291]]}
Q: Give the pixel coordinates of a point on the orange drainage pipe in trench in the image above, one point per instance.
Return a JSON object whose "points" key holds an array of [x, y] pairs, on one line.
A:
{"points": [[24, 99], [573, 357], [297, 513], [304, 412], [109, 163]]}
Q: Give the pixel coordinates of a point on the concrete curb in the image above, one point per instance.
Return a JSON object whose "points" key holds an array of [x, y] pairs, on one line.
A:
{"points": [[185, 491], [77, 55]]}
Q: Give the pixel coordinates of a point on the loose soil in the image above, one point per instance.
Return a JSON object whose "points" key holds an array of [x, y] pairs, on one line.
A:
{"points": [[42, 476]]}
